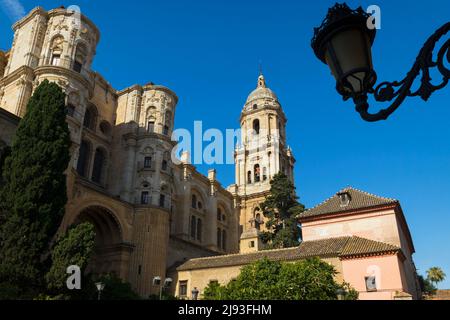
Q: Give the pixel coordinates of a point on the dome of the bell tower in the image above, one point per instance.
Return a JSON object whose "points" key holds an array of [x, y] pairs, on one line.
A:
{"points": [[261, 92]]}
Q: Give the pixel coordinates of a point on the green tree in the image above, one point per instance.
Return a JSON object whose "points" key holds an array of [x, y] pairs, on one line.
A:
{"points": [[5, 151], [281, 209], [426, 286], [115, 288], [74, 248], [310, 279], [214, 291], [33, 194], [435, 275]]}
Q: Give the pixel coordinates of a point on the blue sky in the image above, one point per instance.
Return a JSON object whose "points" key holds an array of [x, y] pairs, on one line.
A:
{"points": [[208, 53]]}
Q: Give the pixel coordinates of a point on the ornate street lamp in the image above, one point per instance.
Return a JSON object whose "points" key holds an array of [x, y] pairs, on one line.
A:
{"points": [[340, 293], [344, 42], [195, 293], [162, 285], [100, 287]]}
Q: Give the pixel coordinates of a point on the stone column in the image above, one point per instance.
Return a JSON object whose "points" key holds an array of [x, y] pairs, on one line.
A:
{"points": [[156, 186], [129, 170], [210, 224]]}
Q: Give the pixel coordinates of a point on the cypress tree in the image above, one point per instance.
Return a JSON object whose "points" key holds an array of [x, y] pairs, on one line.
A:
{"points": [[33, 195], [280, 209], [73, 248]]}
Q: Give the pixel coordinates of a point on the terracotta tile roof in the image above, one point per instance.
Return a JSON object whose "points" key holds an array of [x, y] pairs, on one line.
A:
{"points": [[342, 247], [358, 200], [357, 246]]}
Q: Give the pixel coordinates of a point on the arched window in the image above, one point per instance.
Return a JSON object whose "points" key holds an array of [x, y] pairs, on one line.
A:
{"points": [[162, 200], [249, 177], [194, 201], [99, 164], [199, 229], [165, 161], [224, 240], [264, 174], [80, 57], [258, 221], [257, 172], [167, 123], [90, 117], [56, 50], [219, 214], [151, 126], [70, 109], [105, 128], [151, 119], [257, 217], [83, 158], [73, 100], [256, 126], [193, 227], [219, 238]]}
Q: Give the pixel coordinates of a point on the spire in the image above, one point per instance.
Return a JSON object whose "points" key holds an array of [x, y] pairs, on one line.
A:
{"points": [[261, 81]]}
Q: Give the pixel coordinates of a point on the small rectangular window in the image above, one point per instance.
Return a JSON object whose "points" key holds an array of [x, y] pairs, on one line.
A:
{"points": [[139, 269], [148, 162], [251, 244], [183, 288], [162, 201], [151, 126], [145, 199], [164, 165], [56, 59]]}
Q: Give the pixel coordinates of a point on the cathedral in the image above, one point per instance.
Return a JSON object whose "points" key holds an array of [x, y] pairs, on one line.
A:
{"points": [[155, 217]]}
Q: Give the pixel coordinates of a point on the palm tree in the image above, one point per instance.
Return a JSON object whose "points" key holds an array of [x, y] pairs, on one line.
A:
{"points": [[435, 275]]}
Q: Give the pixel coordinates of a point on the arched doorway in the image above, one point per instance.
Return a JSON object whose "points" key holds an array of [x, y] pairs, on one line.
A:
{"points": [[110, 251]]}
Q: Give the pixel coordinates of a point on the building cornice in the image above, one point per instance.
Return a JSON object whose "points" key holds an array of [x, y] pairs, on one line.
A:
{"points": [[332, 215], [371, 255], [277, 109], [61, 71], [148, 87], [36, 11], [16, 74]]}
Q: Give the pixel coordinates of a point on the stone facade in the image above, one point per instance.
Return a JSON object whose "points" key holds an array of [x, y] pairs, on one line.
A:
{"points": [[121, 175]]}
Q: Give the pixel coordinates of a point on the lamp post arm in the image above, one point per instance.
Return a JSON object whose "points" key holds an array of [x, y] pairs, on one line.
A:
{"points": [[387, 91]]}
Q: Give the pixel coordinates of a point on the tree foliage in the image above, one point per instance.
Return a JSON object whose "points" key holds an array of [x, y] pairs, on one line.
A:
{"points": [[281, 209], [74, 248], [311, 279], [435, 275], [426, 286], [33, 194], [115, 288]]}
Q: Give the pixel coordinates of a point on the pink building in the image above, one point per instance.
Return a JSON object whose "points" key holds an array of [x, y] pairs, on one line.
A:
{"points": [[382, 274]]}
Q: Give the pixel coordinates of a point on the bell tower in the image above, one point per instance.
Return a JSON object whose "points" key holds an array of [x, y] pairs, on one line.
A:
{"points": [[261, 154]]}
